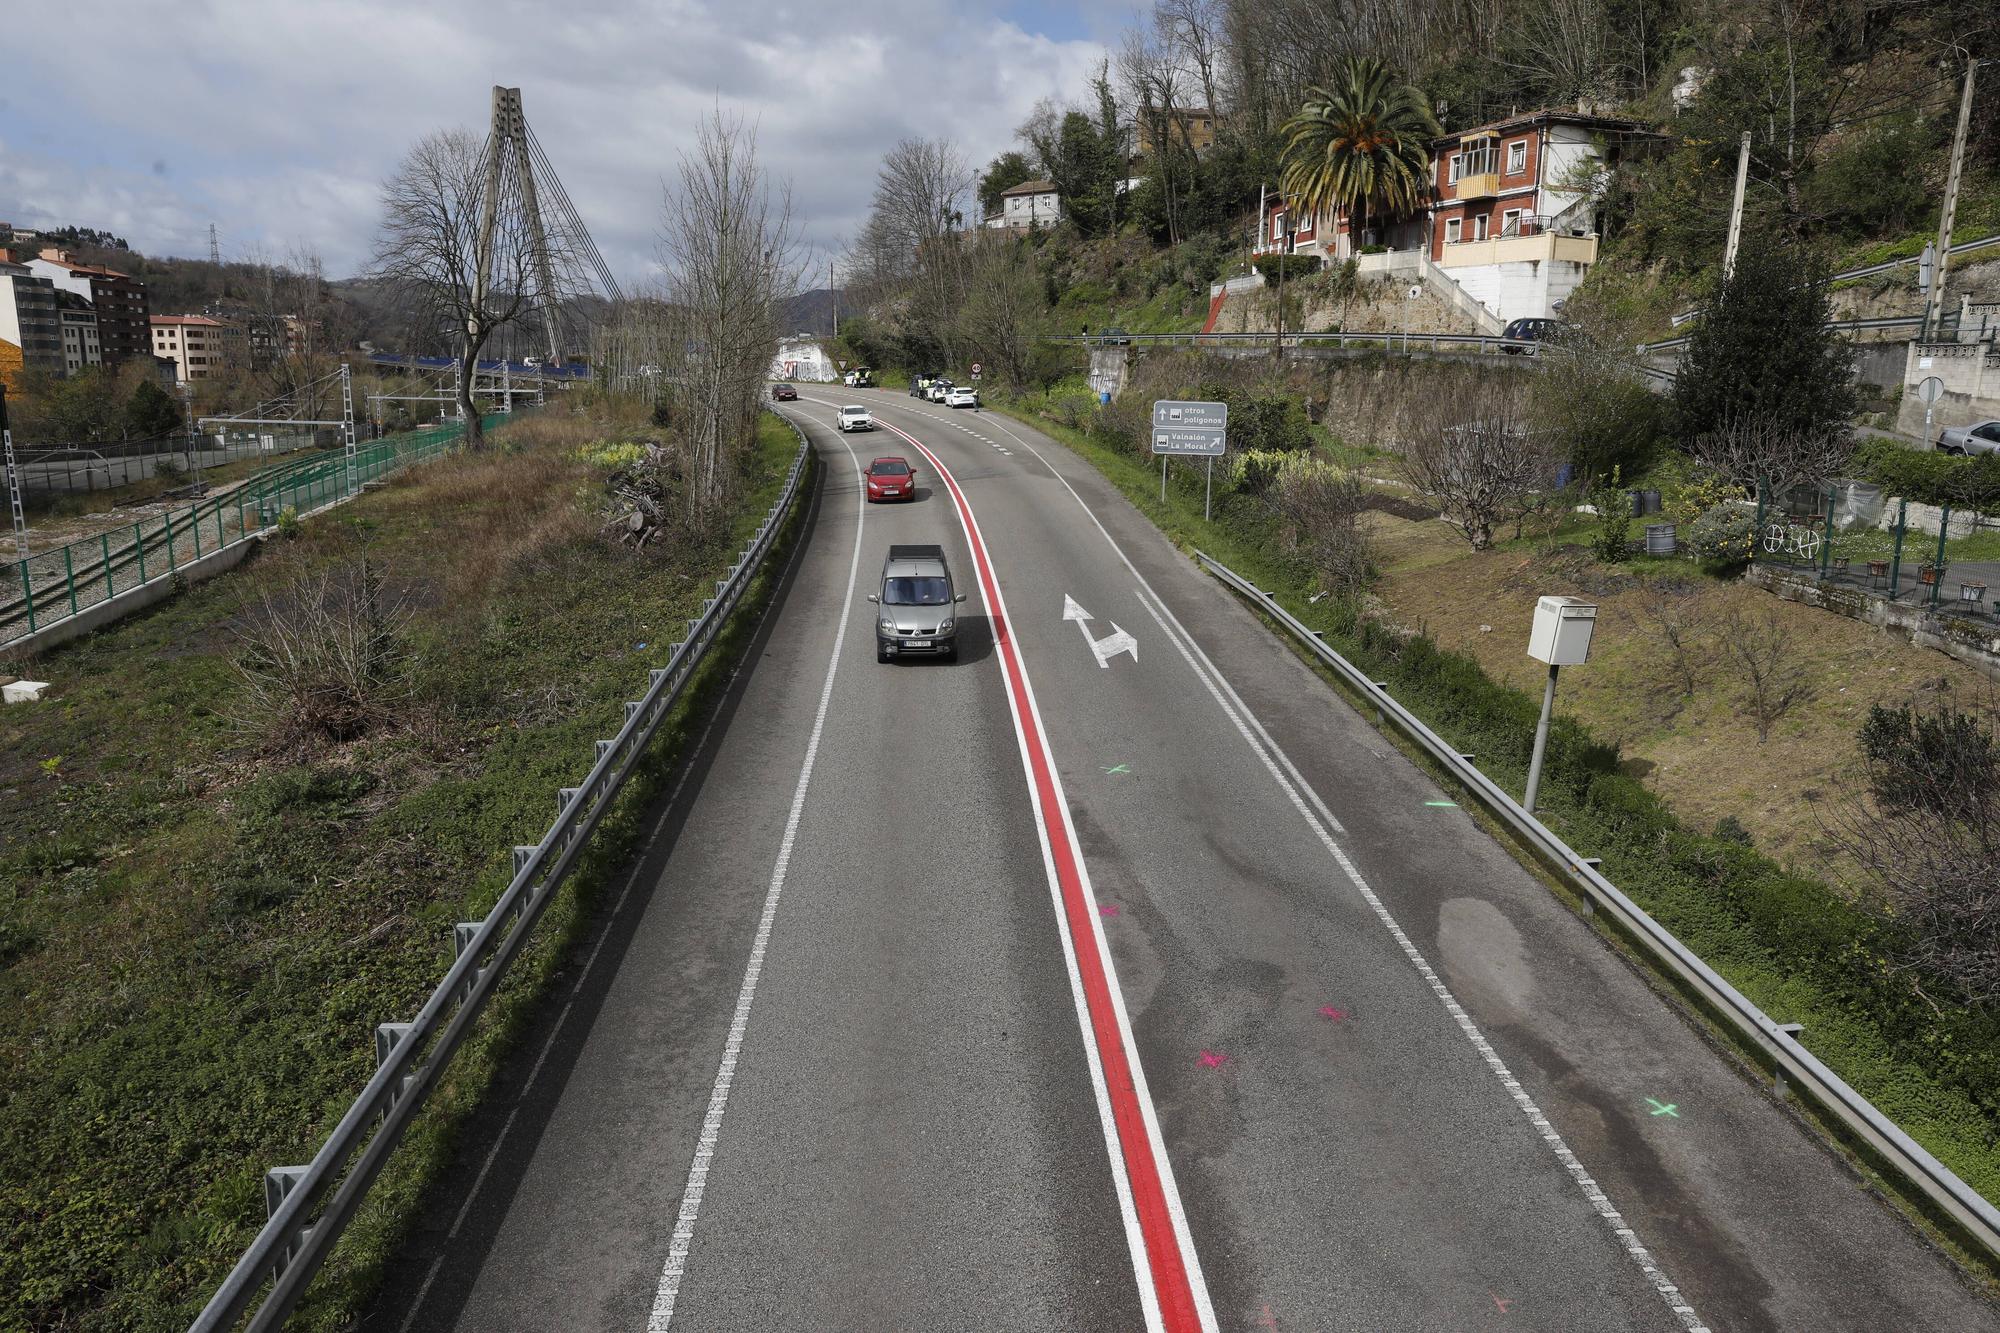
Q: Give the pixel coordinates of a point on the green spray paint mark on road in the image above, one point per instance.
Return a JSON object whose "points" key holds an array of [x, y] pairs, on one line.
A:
{"points": [[1122, 768], [1663, 1108], [1452, 804]]}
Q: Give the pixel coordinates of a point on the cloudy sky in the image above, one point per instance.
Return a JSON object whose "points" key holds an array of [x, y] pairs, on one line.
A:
{"points": [[277, 120]]}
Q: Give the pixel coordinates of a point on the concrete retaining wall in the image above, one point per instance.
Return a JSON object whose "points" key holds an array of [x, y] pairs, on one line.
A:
{"points": [[136, 599], [1976, 646]]}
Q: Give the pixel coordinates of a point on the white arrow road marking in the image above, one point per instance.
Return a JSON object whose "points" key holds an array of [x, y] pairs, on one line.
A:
{"points": [[1106, 648]]}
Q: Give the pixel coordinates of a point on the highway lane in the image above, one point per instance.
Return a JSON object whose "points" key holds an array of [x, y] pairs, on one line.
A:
{"points": [[1364, 1142], [910, 1138], [1391, 1082]]}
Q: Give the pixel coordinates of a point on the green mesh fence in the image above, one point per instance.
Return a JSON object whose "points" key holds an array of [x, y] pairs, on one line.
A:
{"points": [[50, 586]]}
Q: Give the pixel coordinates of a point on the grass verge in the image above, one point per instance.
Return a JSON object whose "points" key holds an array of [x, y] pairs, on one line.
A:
{"points": [[1795, 947], [197, 931]]}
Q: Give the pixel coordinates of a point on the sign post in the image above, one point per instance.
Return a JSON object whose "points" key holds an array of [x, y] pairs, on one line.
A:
{"points": [[1561, 637], [1190, 430], [1928, 394]]}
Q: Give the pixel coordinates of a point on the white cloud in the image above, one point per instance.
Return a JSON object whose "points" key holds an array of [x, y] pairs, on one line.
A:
{"points": [[277, 121]]}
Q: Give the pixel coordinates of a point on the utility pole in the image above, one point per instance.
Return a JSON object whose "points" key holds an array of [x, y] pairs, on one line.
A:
{"points": [[1736, 208], [13, 479], [833, 293], [1934, 307]]}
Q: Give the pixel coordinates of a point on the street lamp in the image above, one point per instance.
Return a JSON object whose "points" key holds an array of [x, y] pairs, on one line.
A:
{"points": [[1561, 637]]}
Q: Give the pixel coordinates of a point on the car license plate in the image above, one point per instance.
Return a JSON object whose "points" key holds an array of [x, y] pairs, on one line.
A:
{"points": [[916, 643]]}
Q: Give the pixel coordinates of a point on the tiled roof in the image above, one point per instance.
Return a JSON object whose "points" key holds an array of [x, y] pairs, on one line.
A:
{"points": [[1031, 187]]}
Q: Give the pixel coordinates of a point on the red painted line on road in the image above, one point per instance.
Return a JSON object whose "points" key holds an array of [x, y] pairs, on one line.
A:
{"points": [[1179, 1310]]}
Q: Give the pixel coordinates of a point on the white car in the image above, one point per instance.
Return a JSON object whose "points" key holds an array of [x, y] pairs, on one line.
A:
{"points": [[1981, 437], [855, 417], [961, 397], [937, 391]]}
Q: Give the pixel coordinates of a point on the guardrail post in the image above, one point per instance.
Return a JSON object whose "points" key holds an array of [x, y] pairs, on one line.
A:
{"points": [[387, 1037], [69, 578], [279, 1182], [462, 935], [194, 526], [1380, 720], [521, 858], [167, 527], [1791, 1030], [104, 544], [605, 747], [139, 546]]}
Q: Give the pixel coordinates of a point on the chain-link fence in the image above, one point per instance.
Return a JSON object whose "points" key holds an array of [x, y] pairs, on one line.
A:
{"points": [[47, 471], [1932, 557], [53, 585]]}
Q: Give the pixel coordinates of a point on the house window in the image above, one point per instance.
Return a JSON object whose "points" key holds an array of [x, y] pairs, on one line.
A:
{"points": [[1510, 222], [1452, 228], [1278, 226], [1451, 168], [1517, 157], [1479, 227]]}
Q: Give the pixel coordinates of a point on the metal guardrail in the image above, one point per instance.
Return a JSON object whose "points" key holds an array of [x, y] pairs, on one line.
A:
{"points": [[1869, 270], [1836, 325], [1794, 1064], [412, 1056], [50, 586]]}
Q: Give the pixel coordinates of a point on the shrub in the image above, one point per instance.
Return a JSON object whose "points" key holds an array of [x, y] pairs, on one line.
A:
{"points": [[1725, 535], [324, 659], [1964, 482], [1613, 541]]}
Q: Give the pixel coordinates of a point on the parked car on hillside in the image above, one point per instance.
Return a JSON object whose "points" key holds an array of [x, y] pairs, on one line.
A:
{"points": [[1981, 437], [961, 396], [937, 389], [1523, 334]]}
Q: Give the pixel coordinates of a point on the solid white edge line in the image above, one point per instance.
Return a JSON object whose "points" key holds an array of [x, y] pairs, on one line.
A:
{"points": [[667, 1294], [1170, 1188], [1297, 792]]}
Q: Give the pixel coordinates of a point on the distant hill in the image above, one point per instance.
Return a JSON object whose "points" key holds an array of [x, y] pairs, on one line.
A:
{"points": [[812, 311]]}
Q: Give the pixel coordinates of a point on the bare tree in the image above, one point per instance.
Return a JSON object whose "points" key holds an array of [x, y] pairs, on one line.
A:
{"points": [[1321, 506], [1564, 47], [1004, 313], [1483, 472], [916, 231], [1774, 677], [1756, 452], [1192, 31], [1928, 833], [731, 256], [428, 249], [1679, 623]]}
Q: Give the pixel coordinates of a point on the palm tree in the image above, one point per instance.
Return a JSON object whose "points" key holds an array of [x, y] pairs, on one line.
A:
{"points": [[1362, 145]]}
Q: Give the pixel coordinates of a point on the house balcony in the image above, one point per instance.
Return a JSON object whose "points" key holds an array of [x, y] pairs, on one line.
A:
{"points": [[1519, 250], [1479, 185]]}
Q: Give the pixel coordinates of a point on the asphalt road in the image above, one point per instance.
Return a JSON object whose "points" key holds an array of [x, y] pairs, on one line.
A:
{"points": [[1065, 987]]}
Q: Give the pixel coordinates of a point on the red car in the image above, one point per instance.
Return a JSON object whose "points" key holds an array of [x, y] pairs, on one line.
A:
{"points": [[891, 479], [784, 393]]}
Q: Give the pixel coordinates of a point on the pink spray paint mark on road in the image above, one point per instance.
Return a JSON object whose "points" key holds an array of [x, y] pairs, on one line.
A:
{"points": [[1331, 1014], [1214, 1059], [1108, 909], [1502, 1302]]}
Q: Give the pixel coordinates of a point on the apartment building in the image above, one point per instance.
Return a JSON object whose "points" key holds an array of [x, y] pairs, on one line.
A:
{"points": [[79, 332], [123, 331], [196, 344], [29, 322]]}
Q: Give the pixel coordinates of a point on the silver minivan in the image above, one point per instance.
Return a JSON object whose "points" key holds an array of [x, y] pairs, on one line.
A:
{"points": [[918, 605]]}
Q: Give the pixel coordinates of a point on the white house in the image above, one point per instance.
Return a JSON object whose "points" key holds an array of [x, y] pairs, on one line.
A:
{"points": [[1029, 204], [1512, 218], [803, 359]]}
